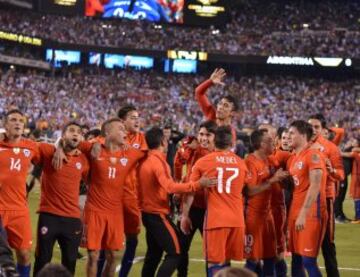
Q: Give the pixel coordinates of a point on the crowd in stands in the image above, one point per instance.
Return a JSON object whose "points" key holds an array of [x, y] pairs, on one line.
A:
{"points": [[90, 98], [319, 28]]}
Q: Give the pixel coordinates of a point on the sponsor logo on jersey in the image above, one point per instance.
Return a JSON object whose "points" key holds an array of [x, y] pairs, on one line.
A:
{"points": [[16, 150], [136, 145], [299, 165], [27, 153], [123, 161], [78, 165]]}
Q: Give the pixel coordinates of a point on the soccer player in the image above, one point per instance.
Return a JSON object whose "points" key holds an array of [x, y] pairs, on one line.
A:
{"points": [[335, 169], [283, 139], [103, 214], [307, 216], [278, 203], [59, 212], [156, 184], [224, 227], [261, 243], [192, 216], [132, 214], [225, 109], [16, 157]]}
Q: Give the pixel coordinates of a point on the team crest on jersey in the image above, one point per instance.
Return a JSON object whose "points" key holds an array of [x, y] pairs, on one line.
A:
{"points": [[78, 165], [44, 230], [27, 153], [299, 165], [123, 161], [136, 145], [113, 160], [16, 150]]}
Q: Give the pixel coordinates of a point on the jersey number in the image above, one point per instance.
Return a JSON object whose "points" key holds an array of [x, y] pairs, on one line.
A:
{"points": [[15, 164], [220, 171], [112, 172]]}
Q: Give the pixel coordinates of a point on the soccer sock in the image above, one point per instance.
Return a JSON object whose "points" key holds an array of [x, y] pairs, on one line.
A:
{"points": [[297, 268], [211, 271], [23, 270], [128, 257], [251, 265], [357, 209], [311, 267], [269, 267], [100, 263], [281, 268]]}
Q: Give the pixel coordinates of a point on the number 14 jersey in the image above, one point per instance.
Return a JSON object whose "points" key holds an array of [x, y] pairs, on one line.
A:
{"points": [[225, 200]]}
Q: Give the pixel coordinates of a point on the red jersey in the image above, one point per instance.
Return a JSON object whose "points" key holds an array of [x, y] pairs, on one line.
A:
{"points": [[225, 201], [259, 172], [207, 108], [339, 135], [15, 162], [137, 141], [299, 166], [331, 152], [187, 156], [60, 188], [107, 177], [156, 183]]}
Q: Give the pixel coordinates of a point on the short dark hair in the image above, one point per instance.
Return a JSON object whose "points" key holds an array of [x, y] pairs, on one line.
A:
{"points": [[303, 128], [13, 111], [209, 125], [232, 100], [280, 131], [107, 122], [256, 138], [154, 137], [71, 123], [54, 270], [319, 117], [223, 137], [124, 111], [93, 132]]}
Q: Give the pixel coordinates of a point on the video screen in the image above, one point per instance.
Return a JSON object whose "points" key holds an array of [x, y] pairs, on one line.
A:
{"points": [[170, 11], [95, 58], [180, 66], [66, 7], [60, 58], [137, 62]]}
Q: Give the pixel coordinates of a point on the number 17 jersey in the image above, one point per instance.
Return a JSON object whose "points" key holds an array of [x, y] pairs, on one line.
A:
{"points": [[225, 200]]}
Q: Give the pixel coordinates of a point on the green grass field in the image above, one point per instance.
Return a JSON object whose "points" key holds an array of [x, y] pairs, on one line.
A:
{"points": [[347, 242]]}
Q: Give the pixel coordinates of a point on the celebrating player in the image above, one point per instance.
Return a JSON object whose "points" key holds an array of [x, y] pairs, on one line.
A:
{"points": [[192, 216], [260, 230], [308, 215], [335, 174], [224, 224], [16, 157], [225, 109], [59, 218], [155, 182]]}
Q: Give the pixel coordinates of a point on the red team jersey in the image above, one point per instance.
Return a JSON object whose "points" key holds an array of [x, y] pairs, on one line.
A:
{"points": [[260, 230], [60, 188], [15, 161], [355, 177], [308, 241], [207, 108], [224, 225]]}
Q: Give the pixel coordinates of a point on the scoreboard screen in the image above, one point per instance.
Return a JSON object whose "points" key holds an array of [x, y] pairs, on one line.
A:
{"points": [[66, 7]]}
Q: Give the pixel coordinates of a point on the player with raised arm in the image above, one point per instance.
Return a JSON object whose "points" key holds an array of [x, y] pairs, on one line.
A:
{"points": [[225, 109], [307, 216]]}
